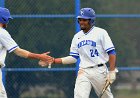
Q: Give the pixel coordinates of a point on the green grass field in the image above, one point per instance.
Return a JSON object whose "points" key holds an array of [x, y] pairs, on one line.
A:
{"points": [[127, 94]]}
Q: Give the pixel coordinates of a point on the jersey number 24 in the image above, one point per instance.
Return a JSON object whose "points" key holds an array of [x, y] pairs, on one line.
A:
{"points": [[94, 53]]}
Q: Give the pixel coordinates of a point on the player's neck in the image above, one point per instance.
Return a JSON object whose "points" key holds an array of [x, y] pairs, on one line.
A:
{"points": [[86, 30], [1, 25]]}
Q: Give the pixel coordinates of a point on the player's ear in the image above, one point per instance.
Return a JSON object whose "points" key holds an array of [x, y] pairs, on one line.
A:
{"points": [[89, 21]]}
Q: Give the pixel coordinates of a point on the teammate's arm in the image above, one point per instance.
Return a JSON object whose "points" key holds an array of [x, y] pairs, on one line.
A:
{"points": [[63, 60], [112, 59], [26, 54], [21, 52]]}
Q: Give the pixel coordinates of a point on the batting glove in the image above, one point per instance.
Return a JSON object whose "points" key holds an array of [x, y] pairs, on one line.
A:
{"points": [[111, 77]]}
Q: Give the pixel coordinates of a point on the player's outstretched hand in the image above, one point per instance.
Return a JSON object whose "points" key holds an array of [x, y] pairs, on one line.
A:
{"points": [[111, 77], [48, 60], [45, 57]]}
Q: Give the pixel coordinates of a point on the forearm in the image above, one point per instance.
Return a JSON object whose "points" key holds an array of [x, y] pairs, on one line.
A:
{"points": [[112, 62], [26, 54], [65, 60], [22, 53]]}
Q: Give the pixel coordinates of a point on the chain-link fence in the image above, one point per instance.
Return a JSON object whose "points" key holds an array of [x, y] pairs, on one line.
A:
{"points": [[49, 25], [40, 84]]}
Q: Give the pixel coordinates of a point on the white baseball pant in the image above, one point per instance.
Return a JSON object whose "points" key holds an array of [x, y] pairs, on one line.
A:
{"points": [[91, 77], [2, 89]]}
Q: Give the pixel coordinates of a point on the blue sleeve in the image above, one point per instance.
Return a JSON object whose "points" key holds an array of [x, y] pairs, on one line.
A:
{"points": [[76, 57], [112, 52]]}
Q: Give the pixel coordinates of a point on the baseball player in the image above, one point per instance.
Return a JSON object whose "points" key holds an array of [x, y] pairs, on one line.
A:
{"points": [[8, 44], [94, 48]]}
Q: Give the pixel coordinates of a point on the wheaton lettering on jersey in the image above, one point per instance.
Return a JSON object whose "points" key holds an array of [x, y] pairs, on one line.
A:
{"points": [[86, 42]]}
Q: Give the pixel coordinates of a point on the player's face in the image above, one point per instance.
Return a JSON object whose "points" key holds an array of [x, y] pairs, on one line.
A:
{"points": [[84, 24], [4, 25]]}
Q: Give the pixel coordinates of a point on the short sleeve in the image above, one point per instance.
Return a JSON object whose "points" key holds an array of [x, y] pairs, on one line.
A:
{"points": [[8, 42], [107, 42], [74, 48]]}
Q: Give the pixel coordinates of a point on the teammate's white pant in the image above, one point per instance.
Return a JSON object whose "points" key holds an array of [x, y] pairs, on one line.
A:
{"points": [[2, 89], [91, 77]]}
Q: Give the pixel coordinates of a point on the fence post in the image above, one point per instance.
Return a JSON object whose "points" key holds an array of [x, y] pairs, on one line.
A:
{"points": [[77, 27], [2, 3], [77, 9], [3, 77]]}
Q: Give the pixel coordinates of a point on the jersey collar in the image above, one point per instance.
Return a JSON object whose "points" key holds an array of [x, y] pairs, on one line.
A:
{"points": [[88, 31]]}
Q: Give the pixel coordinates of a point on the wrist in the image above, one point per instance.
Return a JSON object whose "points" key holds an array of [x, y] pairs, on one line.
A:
{"points": [[57, 61], [112, 68], [33, 56], [115, 70]]}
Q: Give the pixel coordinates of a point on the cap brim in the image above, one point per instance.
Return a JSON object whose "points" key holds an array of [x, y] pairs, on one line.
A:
{"points": [[83, 17], [10, 17]]}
